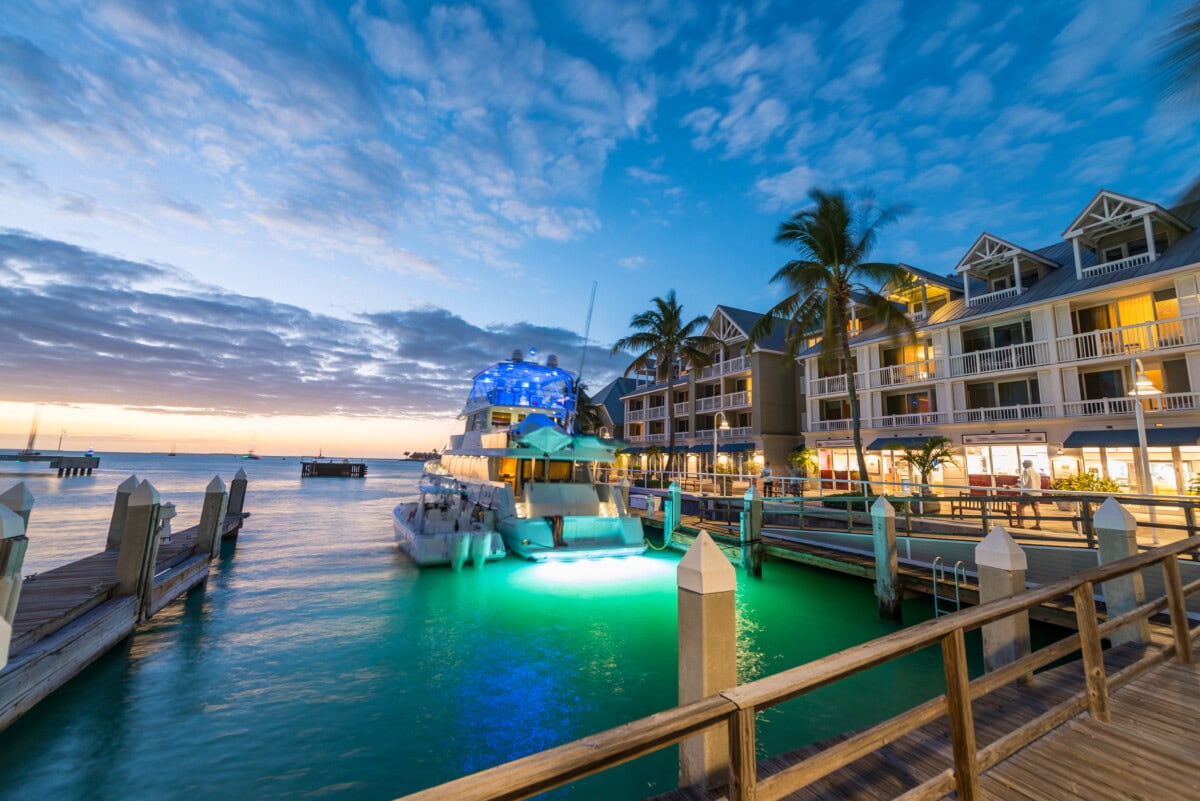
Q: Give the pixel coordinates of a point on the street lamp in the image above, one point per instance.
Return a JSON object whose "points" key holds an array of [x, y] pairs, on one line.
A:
{"points": [[725, 427], [605, 433], [1142, 387]]}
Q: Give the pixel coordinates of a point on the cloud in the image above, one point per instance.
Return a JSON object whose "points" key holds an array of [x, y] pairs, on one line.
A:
{"points": [[787, 188], [200, 350], [632, 262], [1093, 38], [1102, 161]]}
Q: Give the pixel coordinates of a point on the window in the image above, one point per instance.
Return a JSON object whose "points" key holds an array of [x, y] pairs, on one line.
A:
{"points": [[1166, 304], [681, 426], [1102, 384], [835, 410], [1003, 282], [1002, 335], [989, 394], [981, 396], [1175, 376], [907, 403]]}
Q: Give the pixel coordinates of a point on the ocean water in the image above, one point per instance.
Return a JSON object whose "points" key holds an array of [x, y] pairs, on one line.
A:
{"points": [[320, 663]]}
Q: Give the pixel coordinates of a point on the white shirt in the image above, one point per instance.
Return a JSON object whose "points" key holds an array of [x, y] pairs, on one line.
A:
{"points": [[1030, 480]]}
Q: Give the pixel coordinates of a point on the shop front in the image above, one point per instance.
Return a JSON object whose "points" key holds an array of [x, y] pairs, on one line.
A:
{"points": [[1174, 456], [837, 463], [995, 460]]}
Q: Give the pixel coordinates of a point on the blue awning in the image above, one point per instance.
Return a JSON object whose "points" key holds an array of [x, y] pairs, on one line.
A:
{"points": [[701, 449], [632, 451], [895, 443], [1128, 438], [735, 447]]}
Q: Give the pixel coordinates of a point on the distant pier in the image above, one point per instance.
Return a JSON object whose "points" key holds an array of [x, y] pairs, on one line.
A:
{"points": [[332, 468], [54, 624], [65, 465]]}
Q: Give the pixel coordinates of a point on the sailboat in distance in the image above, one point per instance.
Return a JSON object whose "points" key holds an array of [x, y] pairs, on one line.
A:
{"points": [[172, 451]]}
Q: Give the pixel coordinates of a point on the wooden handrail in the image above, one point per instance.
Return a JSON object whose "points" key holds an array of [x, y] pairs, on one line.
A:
{"points": [[737, 707]]}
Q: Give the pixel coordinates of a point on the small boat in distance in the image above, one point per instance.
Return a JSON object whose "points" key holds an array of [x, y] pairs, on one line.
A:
{"points": [[250, 454], [172, 451], [517, 461], [443, 528]]}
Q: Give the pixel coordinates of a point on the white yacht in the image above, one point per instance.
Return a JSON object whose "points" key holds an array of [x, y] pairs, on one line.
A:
{"points": [[518, 461], [442, 528]]}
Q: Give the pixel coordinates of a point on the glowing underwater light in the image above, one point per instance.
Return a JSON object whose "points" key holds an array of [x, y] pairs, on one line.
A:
{"points": [[613, 573]]}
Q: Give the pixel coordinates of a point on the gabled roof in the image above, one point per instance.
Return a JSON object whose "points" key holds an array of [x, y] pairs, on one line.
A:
{"points": [[1109, 211], [745, 320], [944, 281], [992, 250], [610, 395]]}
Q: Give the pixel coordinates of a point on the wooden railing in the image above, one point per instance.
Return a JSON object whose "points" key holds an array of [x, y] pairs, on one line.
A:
{"points": [[736, 709], [1107, 267], [999, 294]]}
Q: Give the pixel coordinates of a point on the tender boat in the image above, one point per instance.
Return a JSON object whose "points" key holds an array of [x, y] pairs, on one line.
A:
{"points": [[518, 461], [443, 528]]}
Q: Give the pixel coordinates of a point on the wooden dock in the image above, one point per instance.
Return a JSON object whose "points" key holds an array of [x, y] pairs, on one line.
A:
{"points": [[67, 617], [1114, 724], [65, 465]]}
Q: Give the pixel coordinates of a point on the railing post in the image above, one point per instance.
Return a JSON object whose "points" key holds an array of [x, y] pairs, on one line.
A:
{"points": [[672, 514], [237, 492], [1002, 566], [1093, 657], [743, 759], [1116, 531], [962, 724], [707, 653], [1085, 522], [116, 524], [1178, 607], [12, 554], [887, 567]]}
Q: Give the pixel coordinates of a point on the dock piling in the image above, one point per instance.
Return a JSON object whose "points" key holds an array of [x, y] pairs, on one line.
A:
{"points": [[237, 492], [139, 546], [1002, 566], [116, 524], [672, 510], [707, 653], [12, 554], [887, 564], [1116, 533], [19, 499], [751, 532], [212, 514]]}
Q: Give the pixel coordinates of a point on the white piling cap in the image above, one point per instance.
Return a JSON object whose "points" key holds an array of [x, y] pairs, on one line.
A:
{"points": [[128, 485], [144, 495], [240, 475], [752, 493], [11, 524], [673, 486], [1001, 551], [216, 485], [168, 511], [1112, 515], [882, 508], [17, 497], [704, 568]]}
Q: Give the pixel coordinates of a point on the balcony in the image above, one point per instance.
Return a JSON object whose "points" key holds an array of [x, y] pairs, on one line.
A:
{"points": [[705, 434], [635, 415], [991, 414], [996, 360], [900, 374], [1130, 339], [1113, 266], [656, 413], [831, 425], [911, 420], [999, 294], [834, 384], [1173, 402], [738, 365], [733, 400], [681, 409], [642, 439]]}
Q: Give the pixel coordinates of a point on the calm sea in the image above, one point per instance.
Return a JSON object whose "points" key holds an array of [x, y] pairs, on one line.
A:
{"points": [[320, 663]]}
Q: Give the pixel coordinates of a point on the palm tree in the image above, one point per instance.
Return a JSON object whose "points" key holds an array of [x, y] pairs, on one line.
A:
{"points": [[587, 413], [833, 239], [663, 340], [927, 457], [1180, 68]]}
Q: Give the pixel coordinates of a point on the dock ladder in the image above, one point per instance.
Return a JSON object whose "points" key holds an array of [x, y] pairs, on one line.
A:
{"points": [[958, 574]]}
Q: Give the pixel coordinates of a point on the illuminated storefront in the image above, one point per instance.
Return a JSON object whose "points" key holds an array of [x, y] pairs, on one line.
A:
{"points": [[1174, 455], [996, 459]]}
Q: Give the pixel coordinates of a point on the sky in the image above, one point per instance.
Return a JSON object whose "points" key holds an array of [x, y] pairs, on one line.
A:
{"points": [[308, 225]]}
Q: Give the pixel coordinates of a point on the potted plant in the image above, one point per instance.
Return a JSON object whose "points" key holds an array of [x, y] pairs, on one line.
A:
{"points": [[933, 453], [803, 462], [1082, 482]]}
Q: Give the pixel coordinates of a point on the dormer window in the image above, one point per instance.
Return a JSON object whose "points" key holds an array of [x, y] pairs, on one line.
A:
{"points": [[1122, 232], [1002, 267]]}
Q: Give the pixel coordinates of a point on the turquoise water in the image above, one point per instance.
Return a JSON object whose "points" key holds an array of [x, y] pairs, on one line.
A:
{"points": [[319, 662]]}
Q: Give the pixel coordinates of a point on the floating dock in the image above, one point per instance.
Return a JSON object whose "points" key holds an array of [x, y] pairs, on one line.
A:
{"points": [[65, 465], [62, 620], [332, 468]]}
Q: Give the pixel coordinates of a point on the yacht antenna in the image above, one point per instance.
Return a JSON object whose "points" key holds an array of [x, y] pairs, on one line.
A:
{"points": [[587, 333]]}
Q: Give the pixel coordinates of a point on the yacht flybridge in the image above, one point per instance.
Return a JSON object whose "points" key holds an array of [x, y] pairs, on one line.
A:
{"points": [[519, 463]]}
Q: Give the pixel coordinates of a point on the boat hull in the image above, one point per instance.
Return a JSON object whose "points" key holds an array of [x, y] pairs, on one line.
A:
{"points": [[585, 537], [474, 544]]}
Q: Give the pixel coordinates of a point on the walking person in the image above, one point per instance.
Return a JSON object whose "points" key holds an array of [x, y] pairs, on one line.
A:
{"points": [[766, 477], [1030, 485]]}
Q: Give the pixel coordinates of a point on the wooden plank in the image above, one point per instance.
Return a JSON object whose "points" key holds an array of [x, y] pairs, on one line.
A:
{"points": [[743, 759], [1093, 661]]}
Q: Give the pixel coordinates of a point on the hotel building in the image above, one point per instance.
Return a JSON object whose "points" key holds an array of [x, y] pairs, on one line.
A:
{"points": [[757, 393], [1032, 354]]}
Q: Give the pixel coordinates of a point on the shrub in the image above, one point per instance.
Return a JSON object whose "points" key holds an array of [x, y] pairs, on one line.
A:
{"points": [[1086, 482]]}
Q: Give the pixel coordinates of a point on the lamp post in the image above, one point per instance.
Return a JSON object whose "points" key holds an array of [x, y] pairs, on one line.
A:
{"points": [[725, 426], [1142, 387]]}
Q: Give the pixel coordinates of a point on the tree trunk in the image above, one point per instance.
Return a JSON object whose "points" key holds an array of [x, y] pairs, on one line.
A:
{"points": [[855, 419], [670, 424]]}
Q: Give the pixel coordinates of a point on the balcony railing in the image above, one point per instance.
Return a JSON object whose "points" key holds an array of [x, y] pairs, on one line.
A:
{"points": [[708, 404], [911, 373], [1130, 339], [1114, 266], [735, 399], [834, 384], [635, 415], [656, 413], [1031, 411], [681, 409], [831, 425], [995, 360], [705, 434], [1172, 402], [725, 368], [911, 420], [999, 294], [644, 438]]}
